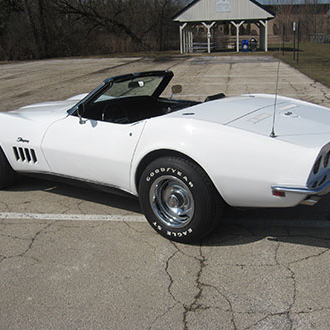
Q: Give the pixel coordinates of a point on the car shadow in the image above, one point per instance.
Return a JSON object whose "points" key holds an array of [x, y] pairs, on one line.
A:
{"points": [[304, 225], [83, 192]]}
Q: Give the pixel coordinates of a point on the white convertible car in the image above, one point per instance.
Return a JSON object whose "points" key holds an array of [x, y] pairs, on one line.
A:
{"points": [[184, 159]]}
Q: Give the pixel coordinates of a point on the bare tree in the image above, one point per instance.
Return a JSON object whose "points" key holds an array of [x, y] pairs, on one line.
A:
{"points": [[107, 15], [50, 28], [143, 21], [8, 9]]}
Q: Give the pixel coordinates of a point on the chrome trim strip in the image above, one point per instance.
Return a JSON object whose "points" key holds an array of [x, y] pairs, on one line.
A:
{"points": [[45, 174], [321, 190]]}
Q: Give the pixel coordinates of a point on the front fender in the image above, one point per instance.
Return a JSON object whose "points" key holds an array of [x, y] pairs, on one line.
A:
{"points": [[20, 140]]}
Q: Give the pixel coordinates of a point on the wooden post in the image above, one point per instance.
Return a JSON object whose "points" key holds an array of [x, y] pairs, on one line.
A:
{"points": [[264, 35], [182, 41], [208, 27], [237, 26]]}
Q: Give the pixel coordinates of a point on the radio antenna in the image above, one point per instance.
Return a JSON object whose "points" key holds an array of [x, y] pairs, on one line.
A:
{"points": [[272, 134]]}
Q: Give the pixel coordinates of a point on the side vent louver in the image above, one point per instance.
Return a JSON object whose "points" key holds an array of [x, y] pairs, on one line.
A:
{"points": [[25, 155]]}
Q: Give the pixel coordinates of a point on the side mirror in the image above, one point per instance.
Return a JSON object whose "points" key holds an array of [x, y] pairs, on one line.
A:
{"points": [[80, 111], [176, 89]]}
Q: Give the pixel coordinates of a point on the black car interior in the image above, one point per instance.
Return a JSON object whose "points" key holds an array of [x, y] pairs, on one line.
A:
{"points": [[132, 109]]}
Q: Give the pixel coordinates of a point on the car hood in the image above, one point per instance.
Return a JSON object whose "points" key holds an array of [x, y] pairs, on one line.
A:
{"points": [[296, 121], [47, 110]]}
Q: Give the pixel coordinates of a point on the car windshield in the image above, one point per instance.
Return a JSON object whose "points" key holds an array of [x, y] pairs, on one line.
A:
{"points": [[138, 86]]}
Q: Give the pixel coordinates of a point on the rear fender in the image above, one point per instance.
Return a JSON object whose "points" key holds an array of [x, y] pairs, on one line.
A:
{"points": [[242, 165]]}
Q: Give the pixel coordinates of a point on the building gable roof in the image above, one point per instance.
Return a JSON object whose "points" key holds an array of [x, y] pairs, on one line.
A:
{"points": [[222, 10]]}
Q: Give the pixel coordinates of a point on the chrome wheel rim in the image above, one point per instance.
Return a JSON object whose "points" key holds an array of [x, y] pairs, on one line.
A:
{"points": [[172, 201]]}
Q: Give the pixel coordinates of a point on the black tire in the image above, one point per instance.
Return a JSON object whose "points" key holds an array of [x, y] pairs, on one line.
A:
{"points": [[179, 200], [7, 175]]}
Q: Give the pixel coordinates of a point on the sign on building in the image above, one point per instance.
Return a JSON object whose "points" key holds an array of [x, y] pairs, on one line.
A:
{"points": [[222, 6]]}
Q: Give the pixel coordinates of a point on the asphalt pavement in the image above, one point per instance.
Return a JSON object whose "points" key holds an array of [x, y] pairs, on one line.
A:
{"points": [[74, 258]]}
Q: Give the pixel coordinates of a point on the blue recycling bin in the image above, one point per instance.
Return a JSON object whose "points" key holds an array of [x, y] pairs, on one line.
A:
{"points": [[245, 46]]}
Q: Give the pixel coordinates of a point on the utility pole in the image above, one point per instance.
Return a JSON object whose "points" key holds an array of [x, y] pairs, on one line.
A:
{"points": [[298, 41], [282, 33], [294, 40]]}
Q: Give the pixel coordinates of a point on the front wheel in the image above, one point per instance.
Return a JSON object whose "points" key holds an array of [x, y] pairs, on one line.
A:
{"points": [[178, 199]]}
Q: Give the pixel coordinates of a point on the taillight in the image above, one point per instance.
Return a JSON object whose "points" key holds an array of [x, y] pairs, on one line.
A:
{"points": [[278, 193]]}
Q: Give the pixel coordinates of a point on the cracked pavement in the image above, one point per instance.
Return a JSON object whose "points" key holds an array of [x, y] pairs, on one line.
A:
{"points": [[260, 269]]}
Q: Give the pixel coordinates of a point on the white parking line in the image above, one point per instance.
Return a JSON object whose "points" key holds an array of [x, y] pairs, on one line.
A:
{"points": [[140, 218], [71, 217]]}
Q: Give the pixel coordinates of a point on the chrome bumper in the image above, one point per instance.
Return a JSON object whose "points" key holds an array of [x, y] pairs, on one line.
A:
{"points": [[313, 194]]}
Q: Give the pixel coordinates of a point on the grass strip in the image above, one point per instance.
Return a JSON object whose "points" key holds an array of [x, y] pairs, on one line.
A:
{"points": [[314, 60]]}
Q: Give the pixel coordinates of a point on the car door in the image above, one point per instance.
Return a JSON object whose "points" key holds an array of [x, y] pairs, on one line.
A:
{"points": [[92, 150], [97, 140]]}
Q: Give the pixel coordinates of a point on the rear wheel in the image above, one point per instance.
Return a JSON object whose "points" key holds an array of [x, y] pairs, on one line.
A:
{"points": [[178, 199], [7, 174]]}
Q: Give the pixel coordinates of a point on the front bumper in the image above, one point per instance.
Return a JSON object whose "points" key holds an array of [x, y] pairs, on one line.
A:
{"points": [[313, 195]]}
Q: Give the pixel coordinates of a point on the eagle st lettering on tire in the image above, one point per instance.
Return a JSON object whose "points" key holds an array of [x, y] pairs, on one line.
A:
{"points": [[178, 199]]}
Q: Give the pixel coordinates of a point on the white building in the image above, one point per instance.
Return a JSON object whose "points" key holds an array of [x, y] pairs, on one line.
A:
{"points": [[210, 13]]}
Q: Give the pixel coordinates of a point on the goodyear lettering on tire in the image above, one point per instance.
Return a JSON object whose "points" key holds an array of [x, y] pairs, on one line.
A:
{"points": [[170, 170]]}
